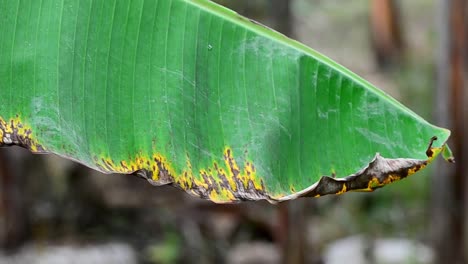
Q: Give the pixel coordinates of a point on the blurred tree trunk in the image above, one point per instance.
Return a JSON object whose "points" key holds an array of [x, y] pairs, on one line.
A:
{"points": [[256, 10], [386, 32], [449, 184], [281, 16], [292, 230], [13, 224]]}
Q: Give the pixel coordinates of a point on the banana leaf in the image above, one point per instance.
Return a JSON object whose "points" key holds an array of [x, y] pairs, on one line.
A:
{"points": [[188, 93]]}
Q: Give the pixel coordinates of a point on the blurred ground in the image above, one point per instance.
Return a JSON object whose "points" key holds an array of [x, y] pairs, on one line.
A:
{"points": [[61, 204]]}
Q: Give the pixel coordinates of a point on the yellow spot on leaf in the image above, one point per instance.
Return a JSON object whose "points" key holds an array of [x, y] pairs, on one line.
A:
{"points": [[391, 178], [373, 183], [343, 190], [15, 129]]}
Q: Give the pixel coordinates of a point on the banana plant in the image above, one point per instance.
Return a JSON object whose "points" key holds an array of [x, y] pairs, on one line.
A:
{"points": [[189, 93]]}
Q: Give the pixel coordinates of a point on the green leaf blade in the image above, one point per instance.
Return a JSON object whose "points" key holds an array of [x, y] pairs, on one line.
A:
{"points": [[189, 93]]}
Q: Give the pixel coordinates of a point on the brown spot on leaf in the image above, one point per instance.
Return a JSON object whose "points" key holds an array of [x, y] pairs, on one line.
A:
{"points": [[14, 132]]}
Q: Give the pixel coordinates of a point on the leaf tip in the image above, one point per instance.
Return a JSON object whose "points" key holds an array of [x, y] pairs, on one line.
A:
{"points": [[447, 154]]}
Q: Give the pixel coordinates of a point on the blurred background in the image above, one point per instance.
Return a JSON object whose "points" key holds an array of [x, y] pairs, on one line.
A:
{"points": [[56, 211]]}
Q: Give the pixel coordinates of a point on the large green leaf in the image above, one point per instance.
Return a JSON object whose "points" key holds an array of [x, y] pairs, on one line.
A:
{"points": [[190, 93]]}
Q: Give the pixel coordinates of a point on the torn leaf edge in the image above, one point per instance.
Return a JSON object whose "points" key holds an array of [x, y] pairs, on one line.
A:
{"points": [[378, 173]]}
